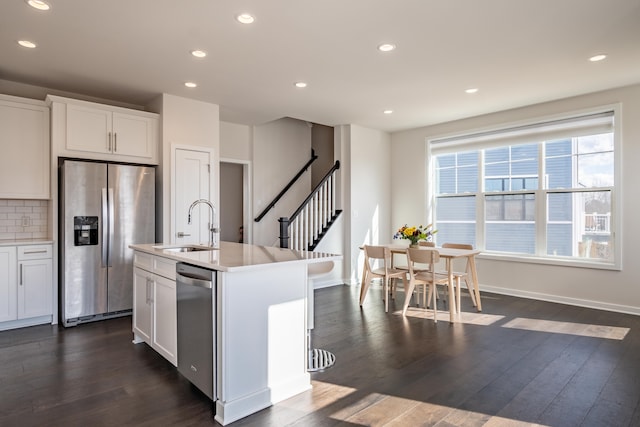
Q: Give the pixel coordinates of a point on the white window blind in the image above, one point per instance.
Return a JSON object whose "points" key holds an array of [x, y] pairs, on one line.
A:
{"points": [[546, 130]]}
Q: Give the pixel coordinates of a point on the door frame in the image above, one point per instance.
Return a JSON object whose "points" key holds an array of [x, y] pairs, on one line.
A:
{"points": [[247, 221], [214, 182]]}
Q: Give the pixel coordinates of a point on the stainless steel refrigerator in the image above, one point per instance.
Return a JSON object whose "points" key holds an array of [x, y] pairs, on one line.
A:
{"points": [[104, 207]]}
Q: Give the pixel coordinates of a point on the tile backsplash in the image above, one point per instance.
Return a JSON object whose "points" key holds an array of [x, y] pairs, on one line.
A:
{"points": [[23, 219]]}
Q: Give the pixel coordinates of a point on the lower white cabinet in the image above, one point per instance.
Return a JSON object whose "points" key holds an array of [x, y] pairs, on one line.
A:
{"points": [[8, 284], [155, 304], [26, 285]]}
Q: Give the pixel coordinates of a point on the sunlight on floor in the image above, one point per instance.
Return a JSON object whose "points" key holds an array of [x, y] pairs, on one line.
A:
{"points": [[383, 410], [443, 316], [321, 395], [585, 330]]}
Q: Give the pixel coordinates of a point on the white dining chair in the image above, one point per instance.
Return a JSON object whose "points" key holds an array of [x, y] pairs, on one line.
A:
{"points": [[422, 243], [461, 275], [375, 255], [428, 279]]}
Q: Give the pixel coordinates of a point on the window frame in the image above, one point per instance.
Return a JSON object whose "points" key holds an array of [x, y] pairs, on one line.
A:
{"points": [[453, 144]]}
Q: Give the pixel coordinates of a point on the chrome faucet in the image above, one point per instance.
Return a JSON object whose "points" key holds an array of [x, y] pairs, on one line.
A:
{"points": [[213, 231]]}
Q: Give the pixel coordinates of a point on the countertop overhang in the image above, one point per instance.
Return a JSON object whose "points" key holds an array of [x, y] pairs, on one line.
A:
{"points": [[232, 257], [22, 242]]}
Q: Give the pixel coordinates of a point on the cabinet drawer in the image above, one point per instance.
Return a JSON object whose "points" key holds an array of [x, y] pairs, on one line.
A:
{"points": [[34, 252], [165, 267], [142, 260]]}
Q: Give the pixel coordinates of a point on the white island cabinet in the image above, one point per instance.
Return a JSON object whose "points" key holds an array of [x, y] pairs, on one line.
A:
{"points": [[260, 322], [154, 300]]}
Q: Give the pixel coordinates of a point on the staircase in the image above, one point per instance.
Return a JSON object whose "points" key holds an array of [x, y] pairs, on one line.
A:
{"points": [[304, 229]]}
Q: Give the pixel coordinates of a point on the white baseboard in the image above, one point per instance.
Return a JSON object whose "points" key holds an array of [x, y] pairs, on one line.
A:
{"points": [[562, 300], [598, 305], [319, 284]]}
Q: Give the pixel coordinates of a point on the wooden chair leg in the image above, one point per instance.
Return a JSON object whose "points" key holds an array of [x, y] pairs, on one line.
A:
{"points": [[471, 291], [435, 303], [386, 295], [365, 288], [457, 291]]}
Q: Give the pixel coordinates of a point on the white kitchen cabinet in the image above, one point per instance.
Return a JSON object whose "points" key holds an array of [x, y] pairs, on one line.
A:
{"points": [[26, 285], [142, 305], [155, 304], [24, 143], [34, 288], [8, 281], [165, 324], [104, 132]]}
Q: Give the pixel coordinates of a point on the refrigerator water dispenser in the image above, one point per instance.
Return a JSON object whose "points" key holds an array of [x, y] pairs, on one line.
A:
{"points": [[85, 230]]}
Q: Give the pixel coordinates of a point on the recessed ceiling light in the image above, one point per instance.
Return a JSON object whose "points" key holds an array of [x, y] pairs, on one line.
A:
{"points": [[190, 84], [199, 53], [245, 18], [472, 90], [301, 84], [386, 47], [597, 58], [27, 43], [388, 111], [38, 4]]}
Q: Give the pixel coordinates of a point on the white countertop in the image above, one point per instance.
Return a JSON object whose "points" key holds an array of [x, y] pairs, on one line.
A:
{"points": [[236, 256], [20, 242]]}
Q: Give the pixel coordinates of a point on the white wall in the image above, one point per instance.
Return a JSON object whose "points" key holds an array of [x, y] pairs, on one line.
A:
{"points": [[366, 192], [280, 149], [614, 290], [185, 122], [236, 141], [322, 144]]}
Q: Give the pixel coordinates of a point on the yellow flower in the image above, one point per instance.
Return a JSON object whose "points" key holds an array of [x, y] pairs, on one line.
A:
{"points": [[414, 234], [409, 231]]}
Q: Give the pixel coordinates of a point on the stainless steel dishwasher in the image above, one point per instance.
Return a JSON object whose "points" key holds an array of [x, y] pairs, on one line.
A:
{"points": [[196, 317]]}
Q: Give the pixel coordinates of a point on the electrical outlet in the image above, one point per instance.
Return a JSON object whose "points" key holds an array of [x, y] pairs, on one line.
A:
{"points": [[26, 221]]}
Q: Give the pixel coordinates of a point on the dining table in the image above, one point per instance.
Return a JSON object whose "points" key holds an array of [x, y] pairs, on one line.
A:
{"points": [[449, 255]]}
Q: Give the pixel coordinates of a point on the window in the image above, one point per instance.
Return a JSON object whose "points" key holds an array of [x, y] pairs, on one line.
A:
{"points": [[542, 191]]}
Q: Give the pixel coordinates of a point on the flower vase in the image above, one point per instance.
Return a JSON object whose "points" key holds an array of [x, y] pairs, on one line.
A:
{"points": [[413, 245]]}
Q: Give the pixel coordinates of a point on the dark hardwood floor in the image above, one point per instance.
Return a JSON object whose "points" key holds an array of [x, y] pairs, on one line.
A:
{"points": [[519, 363]]}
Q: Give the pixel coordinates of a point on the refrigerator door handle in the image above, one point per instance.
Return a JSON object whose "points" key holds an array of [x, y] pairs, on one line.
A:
{"points": [[105, 228], [111, 224]]}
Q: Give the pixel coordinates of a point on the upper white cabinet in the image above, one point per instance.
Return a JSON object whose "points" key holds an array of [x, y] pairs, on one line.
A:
{"points": [[24, 144], [97, 131]]}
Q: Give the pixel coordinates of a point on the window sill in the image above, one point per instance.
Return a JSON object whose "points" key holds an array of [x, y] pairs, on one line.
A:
{"points": [[563, 262]]}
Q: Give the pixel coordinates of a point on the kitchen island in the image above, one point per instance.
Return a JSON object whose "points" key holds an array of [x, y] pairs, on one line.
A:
{"points": [[260, 318]]}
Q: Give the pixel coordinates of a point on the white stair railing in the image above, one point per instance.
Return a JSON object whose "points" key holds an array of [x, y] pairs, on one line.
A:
{"points": [[306, 226]]}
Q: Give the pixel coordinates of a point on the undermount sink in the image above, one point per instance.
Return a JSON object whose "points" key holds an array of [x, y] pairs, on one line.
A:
{"points": [[190, 248]]}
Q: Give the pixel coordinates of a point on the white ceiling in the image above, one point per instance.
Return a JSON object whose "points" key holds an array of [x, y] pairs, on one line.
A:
{"points": [[517, 52]]}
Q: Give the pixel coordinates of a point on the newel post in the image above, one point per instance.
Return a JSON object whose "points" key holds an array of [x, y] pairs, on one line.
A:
{"points": [[284, 231]]}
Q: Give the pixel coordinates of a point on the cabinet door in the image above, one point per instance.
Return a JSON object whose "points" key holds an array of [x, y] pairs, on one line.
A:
{"points": [[8, 284], [142, 304], [88, 129], [24, 141], [133, 135], [35, 288], [165, 339]]}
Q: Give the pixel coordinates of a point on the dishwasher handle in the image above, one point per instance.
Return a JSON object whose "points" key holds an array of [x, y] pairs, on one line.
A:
{"points": [[194, 281]]}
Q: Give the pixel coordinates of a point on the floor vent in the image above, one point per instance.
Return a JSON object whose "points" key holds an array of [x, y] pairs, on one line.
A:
{"points": [[319, 360]]}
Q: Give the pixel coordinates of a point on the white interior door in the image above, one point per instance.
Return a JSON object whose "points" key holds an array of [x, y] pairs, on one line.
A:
{"points": [[192, 182]]}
